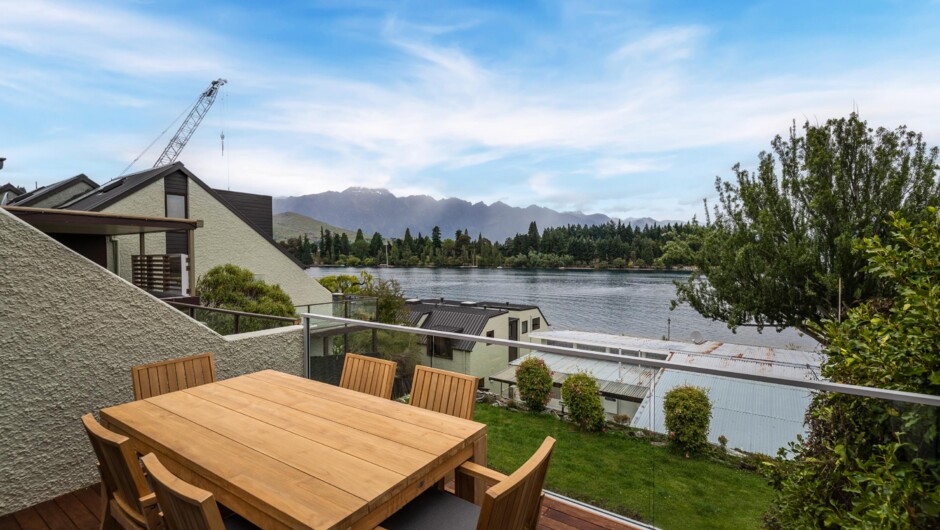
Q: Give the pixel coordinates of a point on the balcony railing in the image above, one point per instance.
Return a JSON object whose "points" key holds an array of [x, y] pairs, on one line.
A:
{"points": [[757, 411]]}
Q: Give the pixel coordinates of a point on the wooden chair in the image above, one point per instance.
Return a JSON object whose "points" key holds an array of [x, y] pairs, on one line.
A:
{"points": [[162, 377], [513, 503], [125, 497], [184, 506], [443, 391], [368, 375]]}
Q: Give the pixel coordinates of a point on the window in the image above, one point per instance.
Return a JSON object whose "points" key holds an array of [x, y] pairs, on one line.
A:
{"points": [[490, 335], [176, 206], [536, 323], [440, 348], [525, 326]]}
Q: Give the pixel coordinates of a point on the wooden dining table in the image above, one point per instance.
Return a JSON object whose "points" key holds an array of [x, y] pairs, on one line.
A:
{"points": [[288, 452]]}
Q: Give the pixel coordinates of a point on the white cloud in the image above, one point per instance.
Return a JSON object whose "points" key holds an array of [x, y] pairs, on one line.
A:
{"points": [[666, 44]]}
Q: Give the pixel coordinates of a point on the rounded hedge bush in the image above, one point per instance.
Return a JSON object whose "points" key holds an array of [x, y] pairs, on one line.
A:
{"points": [[534, 382], [583, 400], [688, 416]]}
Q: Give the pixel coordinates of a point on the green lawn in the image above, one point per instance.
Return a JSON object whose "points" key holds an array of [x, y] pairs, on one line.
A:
{"points": [[628, 475]]}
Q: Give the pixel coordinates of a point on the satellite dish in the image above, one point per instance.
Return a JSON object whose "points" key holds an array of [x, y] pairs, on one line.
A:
{"points": [[697, 337]]}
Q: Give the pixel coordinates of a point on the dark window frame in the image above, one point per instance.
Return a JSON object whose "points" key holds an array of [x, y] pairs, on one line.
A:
{"points": [[525, 327], [443, 348], [536, 323]]}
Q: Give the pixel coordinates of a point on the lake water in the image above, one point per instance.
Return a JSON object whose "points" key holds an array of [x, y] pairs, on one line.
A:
{"points": [[617, 302]]}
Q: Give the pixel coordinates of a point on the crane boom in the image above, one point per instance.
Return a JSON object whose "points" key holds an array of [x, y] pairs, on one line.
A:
{"points": [[189, 125]]}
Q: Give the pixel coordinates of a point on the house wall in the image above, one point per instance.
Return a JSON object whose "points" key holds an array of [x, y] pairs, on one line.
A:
{"points": [[224, 238], [147, 201], [70, 331]]}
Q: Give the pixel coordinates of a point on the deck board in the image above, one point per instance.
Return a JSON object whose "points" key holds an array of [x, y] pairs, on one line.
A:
{"points": [[80, 511]]}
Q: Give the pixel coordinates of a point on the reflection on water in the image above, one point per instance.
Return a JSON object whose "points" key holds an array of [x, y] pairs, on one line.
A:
{"points": [[620, 302]]}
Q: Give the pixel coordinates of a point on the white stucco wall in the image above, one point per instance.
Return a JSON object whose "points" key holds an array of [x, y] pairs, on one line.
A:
{"points": [[224, 238], [70, 331]]}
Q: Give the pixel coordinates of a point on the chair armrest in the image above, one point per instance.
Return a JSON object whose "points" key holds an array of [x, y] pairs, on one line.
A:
{"points": [[483, 473], [148, 500]]}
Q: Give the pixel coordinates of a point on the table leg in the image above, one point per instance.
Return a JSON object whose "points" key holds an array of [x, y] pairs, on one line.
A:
{"points": [[465, 486]]}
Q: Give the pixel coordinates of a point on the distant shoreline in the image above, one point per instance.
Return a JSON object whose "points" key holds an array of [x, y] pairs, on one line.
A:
{"points": [[456, 267]]}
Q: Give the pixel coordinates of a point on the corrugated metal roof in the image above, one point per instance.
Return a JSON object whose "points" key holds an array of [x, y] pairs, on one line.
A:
{"points": [[620, 379], [467, 320], [756, 417], [795, 364]]}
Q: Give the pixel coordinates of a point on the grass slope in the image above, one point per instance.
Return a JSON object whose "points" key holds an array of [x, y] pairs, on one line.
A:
{"points": [[291, 224], [627, 475]]}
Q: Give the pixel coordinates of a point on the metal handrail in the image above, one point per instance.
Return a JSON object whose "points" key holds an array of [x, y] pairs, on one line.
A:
{"points": [[237, 314], [825, 386]]}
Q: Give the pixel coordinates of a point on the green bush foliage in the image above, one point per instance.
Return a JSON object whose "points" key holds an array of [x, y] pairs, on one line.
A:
{"points": [[869, 463], [688, 416], [232, 287], [534, 382], [583, 400]]}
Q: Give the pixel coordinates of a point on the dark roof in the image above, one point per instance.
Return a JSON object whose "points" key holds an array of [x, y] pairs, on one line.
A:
{"points": [[119, 188], [38, 194], [467, 320], [112, 191], [11, 188]]}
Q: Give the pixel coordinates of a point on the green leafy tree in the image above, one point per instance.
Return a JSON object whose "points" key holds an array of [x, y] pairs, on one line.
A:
{"points": [[780, 243], [869, 463], [232, 287], [534, 382]]}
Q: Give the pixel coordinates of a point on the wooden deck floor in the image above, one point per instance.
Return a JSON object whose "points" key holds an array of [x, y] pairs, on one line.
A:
{"points": [[79, 510]]}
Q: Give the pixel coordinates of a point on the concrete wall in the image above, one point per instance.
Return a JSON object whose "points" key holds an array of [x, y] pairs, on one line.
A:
{"points": [[224, 238], [70, 331]]}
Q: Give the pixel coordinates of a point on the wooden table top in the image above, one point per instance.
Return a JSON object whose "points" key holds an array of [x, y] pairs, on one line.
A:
{"points": [[285, 451]]}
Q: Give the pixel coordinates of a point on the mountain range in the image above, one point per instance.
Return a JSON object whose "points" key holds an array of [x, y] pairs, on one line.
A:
{"points": [[378, 210]]}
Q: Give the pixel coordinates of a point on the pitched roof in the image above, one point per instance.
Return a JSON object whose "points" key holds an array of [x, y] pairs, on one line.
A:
{"points": [[116, 189], [468, 320], [10, 187], [121, 187], [32, 197]]}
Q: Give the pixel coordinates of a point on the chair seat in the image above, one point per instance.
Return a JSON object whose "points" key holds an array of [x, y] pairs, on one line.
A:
{"points": [[435, 510]]}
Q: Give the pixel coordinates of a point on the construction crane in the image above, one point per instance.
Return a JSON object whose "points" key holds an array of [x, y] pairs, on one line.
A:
{"points": [[189, 125]]}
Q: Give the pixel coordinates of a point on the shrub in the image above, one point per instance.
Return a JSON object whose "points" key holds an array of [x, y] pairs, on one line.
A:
{"points": [[232, 287], [534, 381], [688, 415], [583, 400]]}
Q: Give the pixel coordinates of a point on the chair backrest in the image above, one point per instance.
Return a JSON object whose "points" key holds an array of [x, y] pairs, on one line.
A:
{"points": [[368, 375], [443, 391], [162, 377], [119, 469], [515, 502], [184, 506]]}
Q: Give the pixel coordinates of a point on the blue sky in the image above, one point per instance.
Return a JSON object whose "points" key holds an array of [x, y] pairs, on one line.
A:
{"points": [[625, 108]]}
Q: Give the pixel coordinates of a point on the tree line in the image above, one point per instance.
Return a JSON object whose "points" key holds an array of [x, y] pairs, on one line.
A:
{"points": [[610, 245]]}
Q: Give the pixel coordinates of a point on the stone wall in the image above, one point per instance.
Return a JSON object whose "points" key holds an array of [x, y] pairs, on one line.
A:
{"points": [[70, 331]]}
